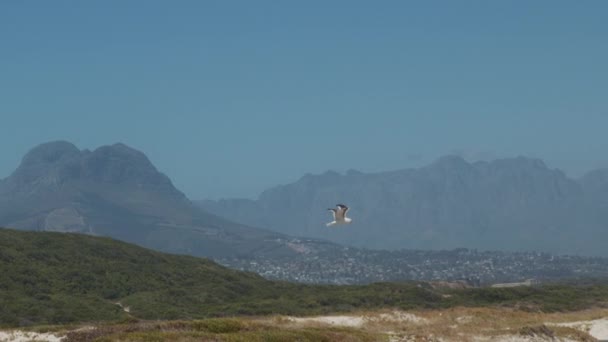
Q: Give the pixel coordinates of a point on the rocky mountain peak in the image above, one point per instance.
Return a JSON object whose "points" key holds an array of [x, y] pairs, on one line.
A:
{"points": [[451, 163], [45, 164], [520, 163], [120, 163], [49, 165], [49, 153]]}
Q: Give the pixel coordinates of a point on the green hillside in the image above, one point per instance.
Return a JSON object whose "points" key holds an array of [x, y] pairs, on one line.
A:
{"points": [[57, 278]]}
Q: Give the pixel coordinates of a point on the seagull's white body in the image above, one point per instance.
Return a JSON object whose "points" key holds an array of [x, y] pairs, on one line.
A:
{"points": [[339, 215]]}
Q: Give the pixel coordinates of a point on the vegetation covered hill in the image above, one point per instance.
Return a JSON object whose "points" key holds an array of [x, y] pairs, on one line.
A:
{"points": [[48, 277], [56, 278]]}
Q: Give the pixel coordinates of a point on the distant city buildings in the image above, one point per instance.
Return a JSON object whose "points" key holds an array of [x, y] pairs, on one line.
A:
{"points": [[359, 266]]}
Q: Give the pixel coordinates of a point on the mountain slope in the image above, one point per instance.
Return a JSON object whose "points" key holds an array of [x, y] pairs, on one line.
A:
{"points": [[508, 204], [50, 277], [116, 191], [55, 278]]}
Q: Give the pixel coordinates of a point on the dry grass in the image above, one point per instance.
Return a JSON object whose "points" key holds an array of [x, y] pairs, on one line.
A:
{"points": [[225, 330], [468, 324], [465, 324], [454, 324]]}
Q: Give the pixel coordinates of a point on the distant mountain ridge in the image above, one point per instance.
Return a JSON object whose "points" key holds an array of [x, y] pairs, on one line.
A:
{"points": [[116, 191], [53, 164], [507, 204]]}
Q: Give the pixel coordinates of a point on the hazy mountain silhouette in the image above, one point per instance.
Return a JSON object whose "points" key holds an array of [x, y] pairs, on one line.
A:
{"points": [[116, 191], [507, 204]]}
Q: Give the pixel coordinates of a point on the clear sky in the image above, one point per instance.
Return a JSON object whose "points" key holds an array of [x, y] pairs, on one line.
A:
{"points": [[230, 97]]}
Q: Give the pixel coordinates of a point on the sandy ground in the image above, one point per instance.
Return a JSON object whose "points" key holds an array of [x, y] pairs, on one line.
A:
{"points": [[512, 338], [361, 320], [27, 336], [597, 328], [448, 325], [343, 321]]}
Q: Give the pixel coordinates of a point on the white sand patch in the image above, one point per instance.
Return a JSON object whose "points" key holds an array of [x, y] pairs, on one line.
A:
{"points": [[414, 338], [344, 321], [85, 328], [124, 308], [464, 319], [396, 337], [397, 317], [359, 321], [597, 328], [518, 338], [27, 336]]}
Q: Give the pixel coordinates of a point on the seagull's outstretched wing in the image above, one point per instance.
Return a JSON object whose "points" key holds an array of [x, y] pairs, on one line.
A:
{"points": [[334, 212]]}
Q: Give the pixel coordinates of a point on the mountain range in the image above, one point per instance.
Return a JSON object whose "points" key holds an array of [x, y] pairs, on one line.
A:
{"points": [[116, 191], [513, 204]]}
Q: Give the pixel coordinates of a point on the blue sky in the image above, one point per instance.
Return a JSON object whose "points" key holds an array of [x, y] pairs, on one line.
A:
{"points": [[230, 97]]}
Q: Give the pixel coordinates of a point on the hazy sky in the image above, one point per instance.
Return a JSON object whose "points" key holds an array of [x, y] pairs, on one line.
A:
{"points": [[230, 97]]}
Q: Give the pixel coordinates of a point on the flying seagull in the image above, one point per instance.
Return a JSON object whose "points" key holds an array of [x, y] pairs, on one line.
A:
{"points": [[339, 215]]}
